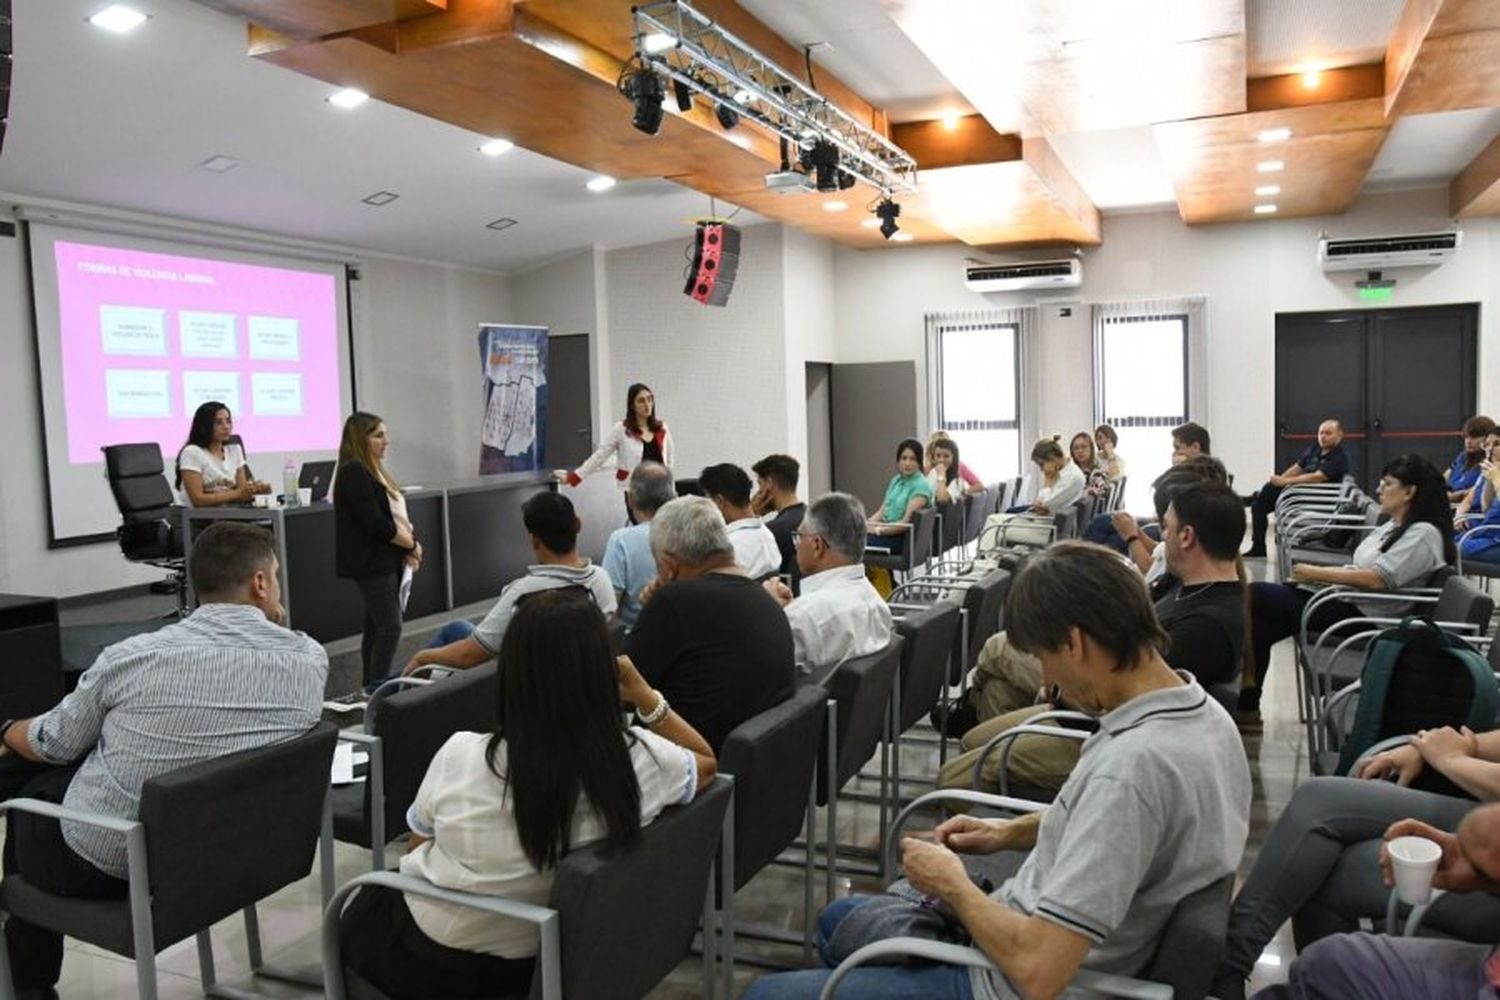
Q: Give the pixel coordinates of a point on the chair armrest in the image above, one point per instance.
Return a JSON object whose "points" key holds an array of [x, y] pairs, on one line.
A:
{"points": [[1052, 715], [1006, 742], [546, 920], [60, 812], [1375, 749], [431, 671], [952, 954], [893, 838]]}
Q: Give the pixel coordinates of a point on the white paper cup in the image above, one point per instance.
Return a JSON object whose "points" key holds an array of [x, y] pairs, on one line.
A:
{"points": [[263, 500], [304, 496], [1414, 861]]}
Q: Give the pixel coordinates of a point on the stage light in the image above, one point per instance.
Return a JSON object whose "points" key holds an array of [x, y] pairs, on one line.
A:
{"points": [[728, 117], [822, 158], [683, 95], [644, 89], [887, 212]]}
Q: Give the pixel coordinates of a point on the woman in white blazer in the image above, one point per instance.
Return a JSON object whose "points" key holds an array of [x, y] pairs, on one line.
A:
{"points": [[640, 437]]}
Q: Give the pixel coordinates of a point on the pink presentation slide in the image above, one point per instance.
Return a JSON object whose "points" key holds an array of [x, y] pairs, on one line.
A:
{"points": [[147, 337]]}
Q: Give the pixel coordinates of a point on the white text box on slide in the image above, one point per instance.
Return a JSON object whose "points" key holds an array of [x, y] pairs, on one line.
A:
{"points": [[207, 335], [274, 394], [137, 393], [274, 338], [133, 331], [201, 387]]}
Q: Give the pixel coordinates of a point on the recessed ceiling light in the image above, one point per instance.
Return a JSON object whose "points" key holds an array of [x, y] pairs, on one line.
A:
{"points": [[380, 198], [1268, 190], [499, 224], [349, 97], [600, 183], [658, 42], [118, 18], [870, 223], [1275, 135], [497, 147], [1270, 166], [1311, 79], [835, 206], [950, 120], [902, 237], [1265, 209], [220, 164]]}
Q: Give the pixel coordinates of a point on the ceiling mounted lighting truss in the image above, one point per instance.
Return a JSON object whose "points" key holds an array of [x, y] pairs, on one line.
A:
{"points": [[722, 68]]}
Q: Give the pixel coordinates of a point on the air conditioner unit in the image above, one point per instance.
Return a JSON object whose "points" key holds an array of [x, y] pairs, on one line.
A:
{"points": [[1376, 253], [1066, 273]]}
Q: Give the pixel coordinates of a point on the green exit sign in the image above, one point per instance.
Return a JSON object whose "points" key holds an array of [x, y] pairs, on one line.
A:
{"points": [[1376, 294]]}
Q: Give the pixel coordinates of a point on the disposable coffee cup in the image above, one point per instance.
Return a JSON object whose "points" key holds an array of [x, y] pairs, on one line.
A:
{"points": [[263, 500], [304, 496], [1414, 862], [560, 474]]}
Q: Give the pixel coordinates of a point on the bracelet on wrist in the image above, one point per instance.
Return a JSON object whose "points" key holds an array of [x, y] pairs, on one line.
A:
{"points": [[1132, 540], [651, 718]]}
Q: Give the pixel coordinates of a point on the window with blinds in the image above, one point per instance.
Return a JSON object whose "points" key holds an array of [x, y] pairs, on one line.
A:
{"points": [[976, 385], [1141, 390]]}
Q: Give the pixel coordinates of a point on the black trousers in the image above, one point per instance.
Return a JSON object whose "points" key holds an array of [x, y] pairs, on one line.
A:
{"points": [[1261, 506], [35, 848], [382, 595], [380, 941], [1276, 614]]}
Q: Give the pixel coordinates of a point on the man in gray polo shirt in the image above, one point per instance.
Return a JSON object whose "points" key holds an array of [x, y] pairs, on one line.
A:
{"points": [[1157, 808]]}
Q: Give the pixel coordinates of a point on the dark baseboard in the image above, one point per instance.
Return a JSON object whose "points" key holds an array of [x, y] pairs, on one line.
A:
{"points": [[105, 596]]}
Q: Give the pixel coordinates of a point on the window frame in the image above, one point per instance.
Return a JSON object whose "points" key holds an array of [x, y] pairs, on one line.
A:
{"points": [[936, 380], [1101, 409]]}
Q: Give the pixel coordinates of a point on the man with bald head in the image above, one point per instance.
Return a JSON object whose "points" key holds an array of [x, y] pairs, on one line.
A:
{"points": [[1324, 461], [1369, 966]]}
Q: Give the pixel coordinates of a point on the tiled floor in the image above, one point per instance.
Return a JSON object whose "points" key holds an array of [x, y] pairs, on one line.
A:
{"points": [[289, 920]]}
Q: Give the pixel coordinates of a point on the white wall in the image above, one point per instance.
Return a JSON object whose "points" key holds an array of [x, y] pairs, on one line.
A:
{"points": [[568, 296], [1249, 272], [808, 281], [719, 374], [416, 364]]}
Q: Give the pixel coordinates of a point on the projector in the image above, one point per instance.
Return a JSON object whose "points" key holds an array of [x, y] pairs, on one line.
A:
{"points": [[788, 182]]}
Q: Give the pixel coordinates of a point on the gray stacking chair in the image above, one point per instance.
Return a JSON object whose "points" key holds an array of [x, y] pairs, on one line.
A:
{"points": [[918, 547], [406, 730], [929, 636], [212, 840], [615, 924]]}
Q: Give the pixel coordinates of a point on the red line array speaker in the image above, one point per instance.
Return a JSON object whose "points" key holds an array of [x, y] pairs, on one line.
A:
{"points": [[716, 258], [5, 68]]}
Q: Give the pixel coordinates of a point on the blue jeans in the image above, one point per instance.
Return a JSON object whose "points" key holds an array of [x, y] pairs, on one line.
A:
{"points": [[868, 982], [455, 630], [1370, 967], [1101, 531]]}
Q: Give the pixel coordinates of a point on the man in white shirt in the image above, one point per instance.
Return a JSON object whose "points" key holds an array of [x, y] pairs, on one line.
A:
{"points": [[839, 616], [553, 530], [755, 551]]}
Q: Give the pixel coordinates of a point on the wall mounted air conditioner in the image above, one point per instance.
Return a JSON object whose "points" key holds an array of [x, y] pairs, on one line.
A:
{"points": [[1376, 253], [1066, 273]]}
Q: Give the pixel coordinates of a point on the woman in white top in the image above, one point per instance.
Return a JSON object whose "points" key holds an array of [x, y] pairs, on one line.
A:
{"points": [[948, 483], [498, 811], [640, 437], [1095, 475], [1107, 440], [1060, 483], [211, 471]]}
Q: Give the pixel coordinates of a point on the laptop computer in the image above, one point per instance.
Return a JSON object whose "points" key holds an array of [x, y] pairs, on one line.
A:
{"points": [[317, 476]]}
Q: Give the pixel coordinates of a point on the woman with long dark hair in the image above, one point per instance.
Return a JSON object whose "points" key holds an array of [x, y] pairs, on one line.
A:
{"points": [[1086, 457], [906, 493], [211, 470], [641, 437], [498, 811], [944, 470], [1414, 542], [373, 538]]}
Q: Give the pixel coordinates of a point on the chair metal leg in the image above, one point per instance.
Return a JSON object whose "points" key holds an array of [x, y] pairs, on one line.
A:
{"points": [[710, 942], [726, 891], [833, 803], [7, 986], [807, 872]]}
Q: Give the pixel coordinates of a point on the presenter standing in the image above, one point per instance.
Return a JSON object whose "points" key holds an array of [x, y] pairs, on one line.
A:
{"points": [[640, 437], [373, 539], [211, 472]]}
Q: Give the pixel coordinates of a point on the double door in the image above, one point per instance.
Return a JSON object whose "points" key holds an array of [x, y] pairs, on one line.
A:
{"points": [[1400, 380]]}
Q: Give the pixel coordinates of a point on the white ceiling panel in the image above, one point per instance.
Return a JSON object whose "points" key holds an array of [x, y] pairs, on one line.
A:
{"points": [[1295, 36], [1422, 149], [1119, 169]]}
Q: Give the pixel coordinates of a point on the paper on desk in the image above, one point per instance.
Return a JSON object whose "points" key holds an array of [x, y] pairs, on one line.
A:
{"points": [[405, 586], [343, 763]]}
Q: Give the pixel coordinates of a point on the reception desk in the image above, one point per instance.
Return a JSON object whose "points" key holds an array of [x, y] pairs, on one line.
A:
{"points": [[473, 543]]}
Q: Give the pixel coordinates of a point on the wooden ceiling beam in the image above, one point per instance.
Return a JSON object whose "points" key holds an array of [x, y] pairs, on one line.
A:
{"points": [[971, 140], [1442, 57], [1293, 90], [1476, 189], [320, 18]]}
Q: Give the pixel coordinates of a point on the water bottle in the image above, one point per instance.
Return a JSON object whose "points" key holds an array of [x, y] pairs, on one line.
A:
{"points": [[289, 482]]}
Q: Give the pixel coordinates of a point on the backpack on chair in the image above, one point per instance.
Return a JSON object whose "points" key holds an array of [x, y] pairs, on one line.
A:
{"points": [[1418, 676]]}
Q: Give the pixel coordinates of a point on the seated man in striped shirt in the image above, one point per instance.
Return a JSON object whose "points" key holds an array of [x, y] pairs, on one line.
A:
{"points": [[226, 679]]}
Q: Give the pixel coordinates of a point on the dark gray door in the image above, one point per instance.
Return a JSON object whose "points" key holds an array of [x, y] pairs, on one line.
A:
{"points": [[1423, 378], [817, 470], [874, 406], [1320, 373], [1401, 380], [570, 417]]}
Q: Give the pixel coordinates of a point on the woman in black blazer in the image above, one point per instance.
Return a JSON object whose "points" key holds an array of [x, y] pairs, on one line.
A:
{"points": [[373, 539]]}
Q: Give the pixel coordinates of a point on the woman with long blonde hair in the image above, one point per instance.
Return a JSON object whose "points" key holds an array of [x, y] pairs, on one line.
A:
{"points": [[373, 539]]}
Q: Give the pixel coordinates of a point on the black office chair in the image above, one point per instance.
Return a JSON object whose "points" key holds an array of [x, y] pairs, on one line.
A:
{"points": [[212, 840], [150, 528]]}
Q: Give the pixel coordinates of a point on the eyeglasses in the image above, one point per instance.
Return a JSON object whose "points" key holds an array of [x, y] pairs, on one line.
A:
{"points": [[799, 535]]}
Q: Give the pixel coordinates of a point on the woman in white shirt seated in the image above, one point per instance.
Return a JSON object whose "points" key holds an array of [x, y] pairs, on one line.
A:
{"points": [[210, 470], [498, 811], [1059, 483]]}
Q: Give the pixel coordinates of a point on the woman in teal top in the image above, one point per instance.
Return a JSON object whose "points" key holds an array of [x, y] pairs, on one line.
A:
{"points": [[908, 492]]}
